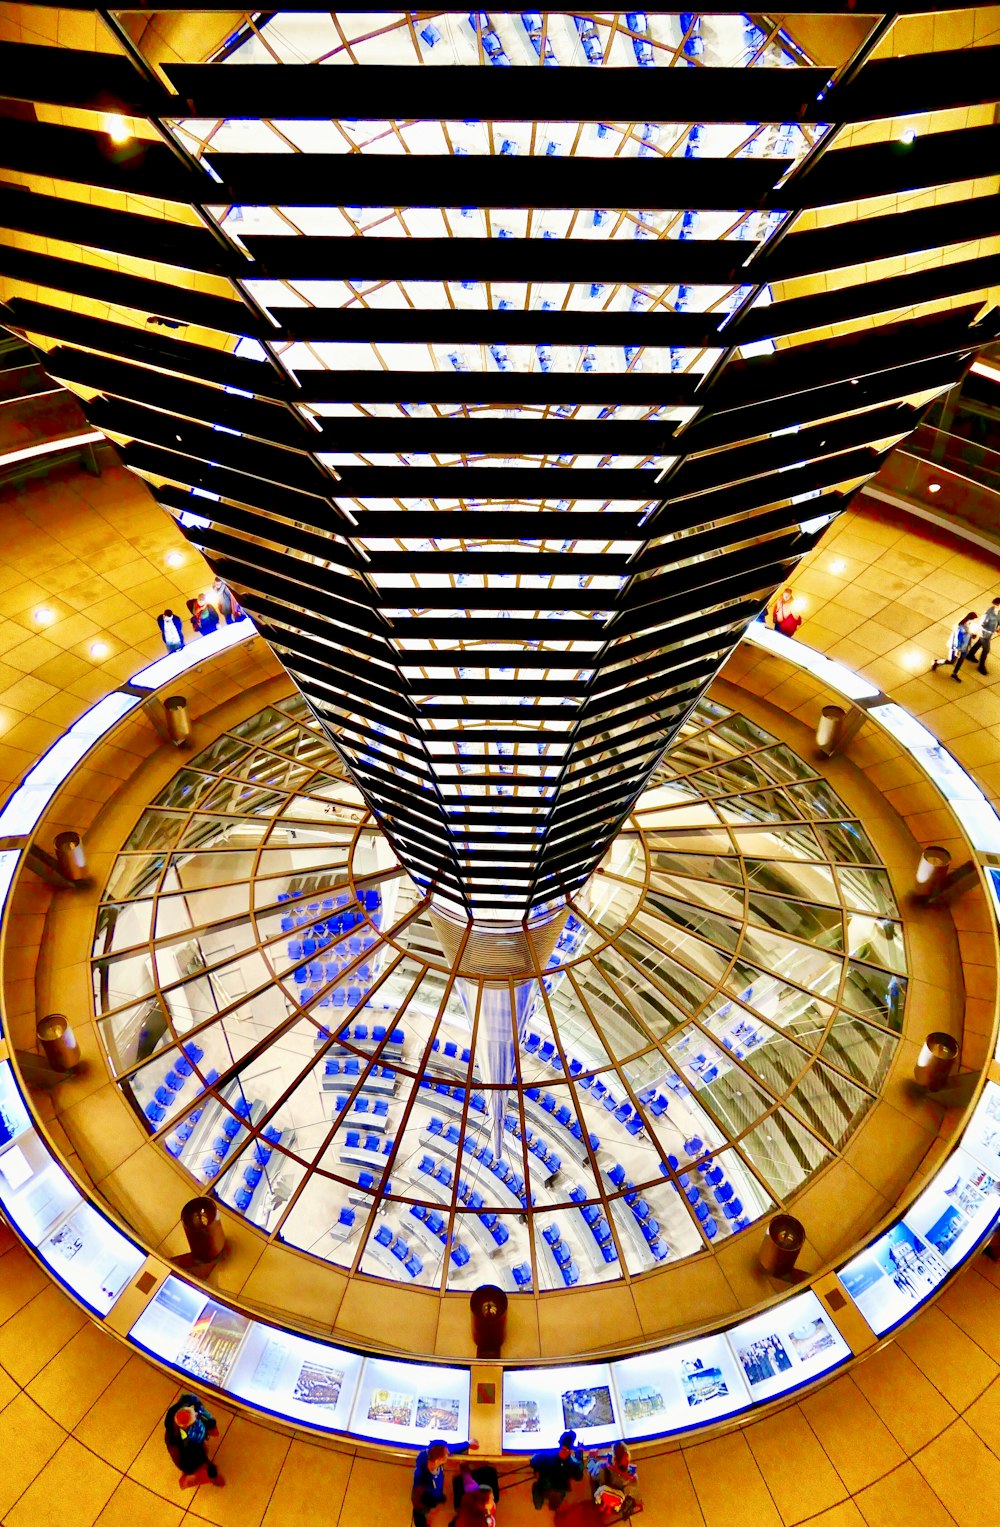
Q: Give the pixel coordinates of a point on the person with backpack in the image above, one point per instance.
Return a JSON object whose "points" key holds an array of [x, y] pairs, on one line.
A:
{"points": [[959, 642], [614, 1484], [428, 1475], [982, 643], [187, 1427]]}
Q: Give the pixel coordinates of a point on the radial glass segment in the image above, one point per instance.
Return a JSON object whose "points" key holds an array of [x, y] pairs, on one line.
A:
{"points": [[667, 1059]]}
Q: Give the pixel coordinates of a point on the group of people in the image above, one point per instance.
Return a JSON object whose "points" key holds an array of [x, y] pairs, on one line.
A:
{"points": [[971, 639], [203, 614], [612, 1476]]}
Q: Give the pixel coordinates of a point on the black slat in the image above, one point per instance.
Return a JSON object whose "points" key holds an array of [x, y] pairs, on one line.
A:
{"points": [[521, 93], [449, 180], [89, 81], [485, 326]]}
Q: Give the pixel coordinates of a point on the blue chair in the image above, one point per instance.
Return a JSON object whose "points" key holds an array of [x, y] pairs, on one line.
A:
{"points": [[564, 1117], [640, 1210], [692, 1195], [252, 1176], [733, 1209], [384, 1235], [660, 1250], [534, 1093], [723, 1193], [352, 1139], [460, 1254], [346, 1217], [531, 1043], [571, 1275], [694, 1146], [549, 1103], [242, 1198], [522, 1274], [551, 1234], [710, 1228], [562, 1254], [500, 1234], [400, 1250], [617, 1174], [414, 1266]]}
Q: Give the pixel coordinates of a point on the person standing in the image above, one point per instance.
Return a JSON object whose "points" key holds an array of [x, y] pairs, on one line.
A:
{"points": [[428, 1476], [614, 1483], [981, 644], [208, 620], [554, 1470], [960, 640], [187, 1427], [171, 630], [223, 601]]}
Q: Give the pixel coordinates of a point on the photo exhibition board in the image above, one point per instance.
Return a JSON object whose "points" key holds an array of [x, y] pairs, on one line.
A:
{"points": [[901, 1268], [77, 1243]]}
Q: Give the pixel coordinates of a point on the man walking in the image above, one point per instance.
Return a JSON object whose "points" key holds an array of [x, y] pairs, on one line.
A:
{"points": [[554, 1470], [171, 630], [983, 642]]}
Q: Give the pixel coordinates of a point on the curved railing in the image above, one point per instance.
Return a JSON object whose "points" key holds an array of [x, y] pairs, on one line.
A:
{"points": [[684, 1385]]}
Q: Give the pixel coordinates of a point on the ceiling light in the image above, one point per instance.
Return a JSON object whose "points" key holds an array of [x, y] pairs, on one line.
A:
{"points": [[934, 487], [174, 558], [44, 616], [839, 566], [908, 135], [99, 650], [117, 130]]}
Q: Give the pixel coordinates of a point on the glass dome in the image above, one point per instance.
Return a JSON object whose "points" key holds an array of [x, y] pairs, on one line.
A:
{"points": [[671, 1057]]}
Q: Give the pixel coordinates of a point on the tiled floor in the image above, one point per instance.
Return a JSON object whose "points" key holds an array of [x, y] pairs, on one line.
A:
{"points": [[912, 1434]]}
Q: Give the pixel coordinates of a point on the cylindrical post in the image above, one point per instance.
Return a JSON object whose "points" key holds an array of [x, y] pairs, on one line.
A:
{"points": [[938, 1054], [783, 1240], [932, 871], [830, 727], [489, 1319], [178, 723], [206, 1234], [70, 857], [58, 1042]]}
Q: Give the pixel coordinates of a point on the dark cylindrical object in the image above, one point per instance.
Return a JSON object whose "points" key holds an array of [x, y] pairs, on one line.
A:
{"points": [[206, 1235], [176, 714], [937, 1056], [489, 1319], [829, 728], [932, 870], [782, 1243], [58, 1042], [70, 857]]}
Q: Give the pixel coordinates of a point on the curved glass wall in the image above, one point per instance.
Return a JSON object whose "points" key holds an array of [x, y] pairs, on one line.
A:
{"points": [[320, 1049]]}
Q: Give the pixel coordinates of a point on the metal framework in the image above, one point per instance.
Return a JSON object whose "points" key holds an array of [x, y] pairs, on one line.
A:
{"points": [[496, 396]]}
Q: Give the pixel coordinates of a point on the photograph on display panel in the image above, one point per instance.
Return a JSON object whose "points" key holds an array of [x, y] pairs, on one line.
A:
{"points": [[679, 1388], [541, 1403], [895, 1274], [957, 1209], [788, 1345]]}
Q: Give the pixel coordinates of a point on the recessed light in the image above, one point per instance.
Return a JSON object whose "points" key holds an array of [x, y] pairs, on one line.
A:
{"points": [[117, 130], [44, 616], [908, 135], [839, 566], [174, 558], [99, 650], [934, 487]]}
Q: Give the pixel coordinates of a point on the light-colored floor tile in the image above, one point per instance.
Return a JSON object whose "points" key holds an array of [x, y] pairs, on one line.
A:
{"points": [[132, 1408], [797, 1471], [77, 1376], [889, 1374], [387, 1484], [28, 1439], [858, 1445], [984, 1416], [902, 1496], [71, 1491], [964, 1474], [730, 1487], [308, 1474], [250, 1459], [37, 1332], [953, 1362], [132, 1506]]}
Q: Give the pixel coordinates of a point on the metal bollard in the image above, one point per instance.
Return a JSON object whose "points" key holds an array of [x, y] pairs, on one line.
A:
{"points": [[938, 1054], [58, 1042], [932, 871], [489, 1319], [206, 1234], [783, 1240], [70, 856], [177, 720], [830, 728]]}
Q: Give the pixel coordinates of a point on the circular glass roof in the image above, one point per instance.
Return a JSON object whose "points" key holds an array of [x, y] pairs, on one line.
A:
{"points": [[669, 1059]]}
